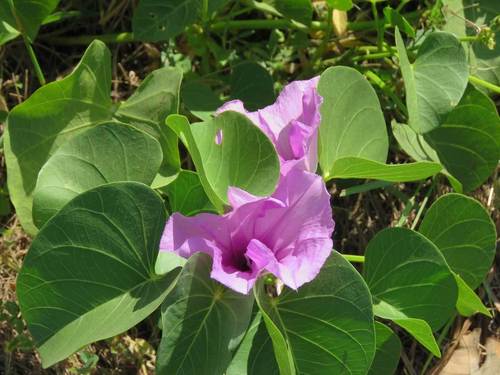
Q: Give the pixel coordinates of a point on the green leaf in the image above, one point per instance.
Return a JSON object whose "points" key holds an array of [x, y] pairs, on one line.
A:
{"points": [[352, 167], [155, 99], [352, 123], [395, 19], [255, 355], [409, 277], [388, 350], [326, 326], [464, 233], [468, 302], [51, 116], [202, 321], [340, 4], [167, 261], [299, 10], [245, 157], [253, 85], [24, 16], [421, 331], [108, 153], [458, 15], [435, 82], [158, 20], [467, 144], [186, 194], [89, 273], [200, 99]]}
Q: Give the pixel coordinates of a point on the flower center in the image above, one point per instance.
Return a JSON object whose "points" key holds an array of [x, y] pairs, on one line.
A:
{"points": [[241, 262]]}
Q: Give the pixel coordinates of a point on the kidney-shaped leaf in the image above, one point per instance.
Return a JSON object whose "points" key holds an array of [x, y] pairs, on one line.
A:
{"points": [[327, 325], [229, 150], [462, 229], [203, 322], [435, 82], [407, 274], [352, 123], [52, 115], [388, 350], [107, 153], [89, 273]]}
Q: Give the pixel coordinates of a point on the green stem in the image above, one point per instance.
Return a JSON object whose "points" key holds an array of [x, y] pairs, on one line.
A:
{"points": [[373, 56], [34, 60], [488, 85], [265, 24], [354, 258], [380, 25]]}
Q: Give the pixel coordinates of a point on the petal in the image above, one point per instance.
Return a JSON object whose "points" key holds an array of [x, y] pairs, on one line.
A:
{"points": [[297, 101], [260, 255], [188, 235]]}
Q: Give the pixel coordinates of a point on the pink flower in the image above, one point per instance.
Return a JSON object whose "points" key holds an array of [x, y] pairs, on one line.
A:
{"points": [[287, 234], [291, 123]]}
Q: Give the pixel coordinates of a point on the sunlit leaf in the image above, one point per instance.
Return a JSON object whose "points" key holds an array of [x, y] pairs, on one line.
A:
{"points": [[155, 99], [51, 116], [352, 167], [89, 274], [107, 153], [352, 123], [229, 150], [435, 82]]}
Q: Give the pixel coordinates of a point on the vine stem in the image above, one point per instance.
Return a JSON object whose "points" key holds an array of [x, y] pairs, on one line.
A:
{"points": [[485, 84], [354, 258], [34, 60]]}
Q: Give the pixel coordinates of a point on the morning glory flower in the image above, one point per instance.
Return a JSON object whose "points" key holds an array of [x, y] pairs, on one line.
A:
{"points": [[287, 234], [291, 123]]}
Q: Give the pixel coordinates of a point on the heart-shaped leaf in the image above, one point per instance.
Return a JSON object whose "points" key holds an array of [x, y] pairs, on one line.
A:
{"points": [[186, 194], [352, 123], [408, 275], [83, 163], [387, 352], [229, 150], [464, 233], [52, 115], [435, 82], [155, 99], [89, 273], [202, 322], [352, 167], [326, 326]]}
